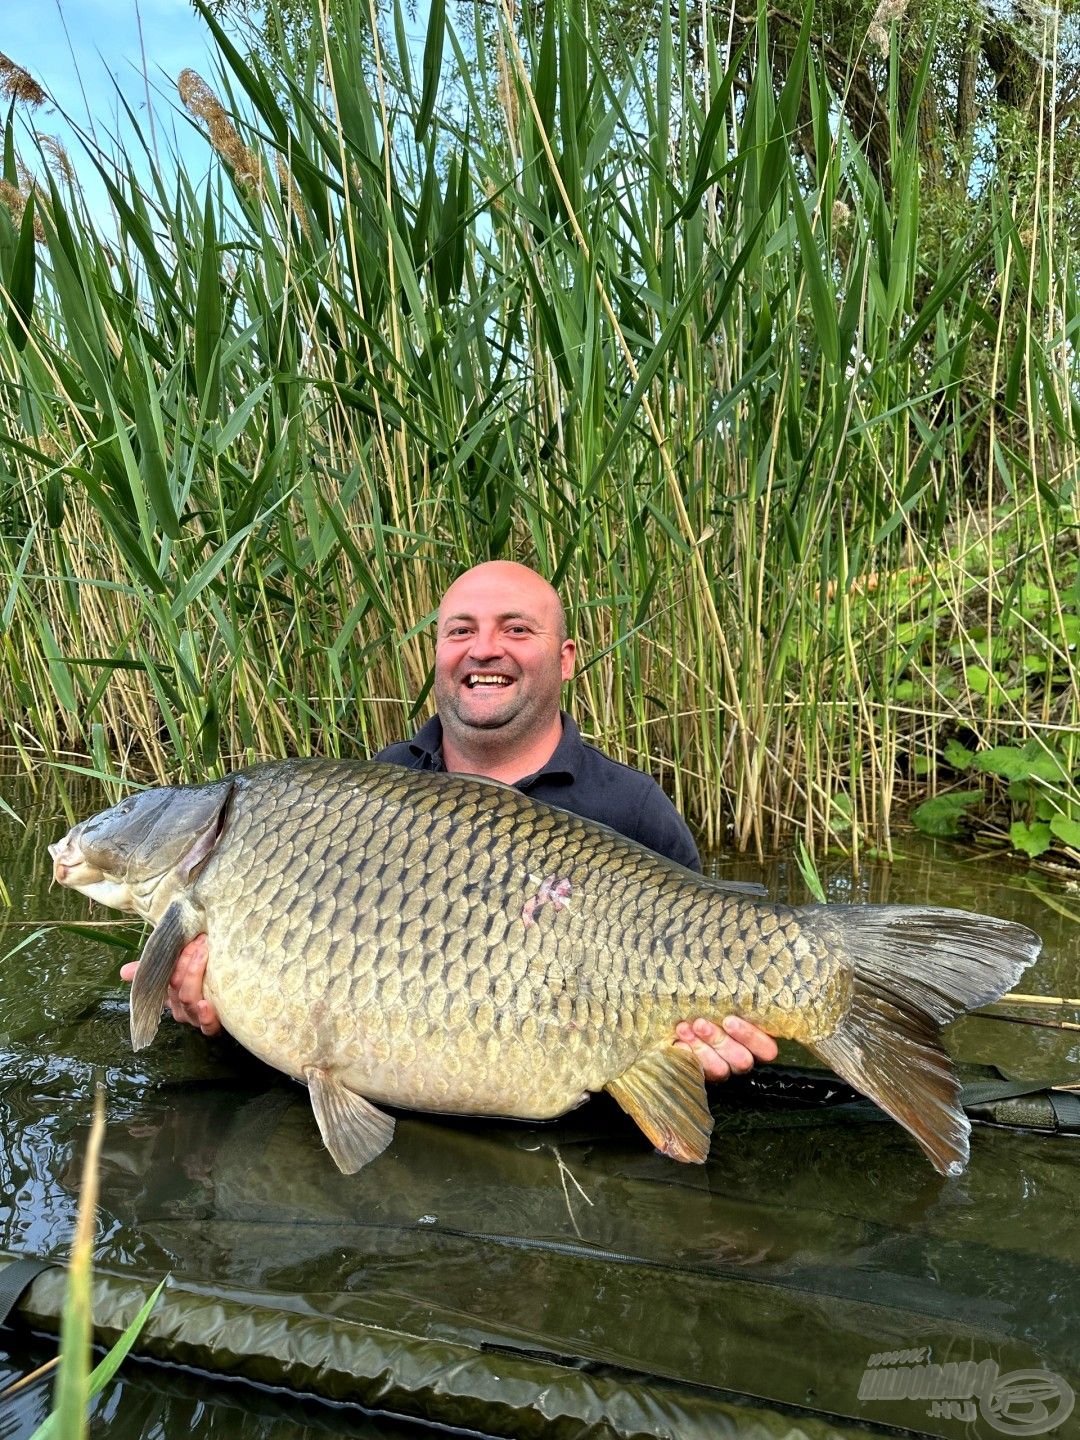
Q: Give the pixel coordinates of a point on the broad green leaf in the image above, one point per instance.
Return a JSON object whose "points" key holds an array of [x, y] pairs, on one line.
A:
{"points": [[1030, 762], [958, 756], [943, 816], [1067, 831], [1033, 840]]}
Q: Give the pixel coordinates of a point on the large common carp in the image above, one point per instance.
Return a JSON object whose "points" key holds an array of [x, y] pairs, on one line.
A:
{"points": [[446, 943]]}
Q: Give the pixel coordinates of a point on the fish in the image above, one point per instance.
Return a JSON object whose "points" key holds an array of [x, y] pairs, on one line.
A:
{"points": [[441, 942]]}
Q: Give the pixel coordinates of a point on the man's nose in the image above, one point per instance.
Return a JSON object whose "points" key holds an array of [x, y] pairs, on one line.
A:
{"points": [[486, 643]]}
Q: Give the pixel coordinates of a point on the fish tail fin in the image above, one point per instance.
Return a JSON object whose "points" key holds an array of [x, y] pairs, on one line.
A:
{"points": [[915, 969]]}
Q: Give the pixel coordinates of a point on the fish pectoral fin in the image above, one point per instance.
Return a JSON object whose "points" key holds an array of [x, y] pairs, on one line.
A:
{"points": [[177, 926], [353, 1130], [664, 1092]]}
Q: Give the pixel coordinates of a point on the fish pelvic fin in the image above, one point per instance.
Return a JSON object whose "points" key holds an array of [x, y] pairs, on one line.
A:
{"points": [[915, 969], [353, 1130], [179, 924], [664, 1092]]}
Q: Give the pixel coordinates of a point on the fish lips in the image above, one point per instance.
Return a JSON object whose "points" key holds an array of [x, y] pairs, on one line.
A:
{"points": [[70, 865]]}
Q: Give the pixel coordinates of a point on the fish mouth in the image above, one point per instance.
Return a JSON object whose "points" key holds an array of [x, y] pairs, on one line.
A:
{"points": [[70, 865]]}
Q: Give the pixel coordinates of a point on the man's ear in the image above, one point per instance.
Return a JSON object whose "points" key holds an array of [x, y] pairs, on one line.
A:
{"points": [[567, 652]]}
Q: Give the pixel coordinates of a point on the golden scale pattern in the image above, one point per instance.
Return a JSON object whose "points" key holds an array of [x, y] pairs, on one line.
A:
{"points": [[372, 919]]}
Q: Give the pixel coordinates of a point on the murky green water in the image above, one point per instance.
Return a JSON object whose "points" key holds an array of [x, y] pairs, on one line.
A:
{"points": [[814, 1238]]}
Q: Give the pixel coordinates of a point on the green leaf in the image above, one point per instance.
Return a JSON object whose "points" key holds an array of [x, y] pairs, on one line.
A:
{"points": [[979, 679], [1032, 840], [704, 169], [1066, 830], [546, 75], [151, 433], [808, 871], [433, 53], [822, 299], [943, 815], [958, 756], [208, 316], [206, 572], [21, 280], [1010, 762]]}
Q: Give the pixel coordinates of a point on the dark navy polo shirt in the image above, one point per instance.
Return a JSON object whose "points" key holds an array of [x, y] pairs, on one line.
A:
{"points": [[584, 780]]}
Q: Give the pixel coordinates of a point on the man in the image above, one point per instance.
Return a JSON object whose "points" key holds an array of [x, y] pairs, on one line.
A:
{"points": [[502, 655]]}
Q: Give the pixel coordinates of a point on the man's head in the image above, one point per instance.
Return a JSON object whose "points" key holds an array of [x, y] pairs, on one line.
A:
{"points": [[501, 657]]}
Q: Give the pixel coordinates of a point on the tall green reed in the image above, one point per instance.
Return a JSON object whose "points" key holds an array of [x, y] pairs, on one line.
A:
{"points": [[520, 299]]}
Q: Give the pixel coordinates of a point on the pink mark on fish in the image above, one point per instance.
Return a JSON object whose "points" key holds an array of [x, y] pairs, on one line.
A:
{"points": [[554, 890]]}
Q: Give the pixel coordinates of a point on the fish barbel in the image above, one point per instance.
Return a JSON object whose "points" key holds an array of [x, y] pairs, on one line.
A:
{"points": [[445, 943]]}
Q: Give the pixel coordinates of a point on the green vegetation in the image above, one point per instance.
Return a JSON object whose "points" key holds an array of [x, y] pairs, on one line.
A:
{"points": [[794, 431], [76, 1383]]}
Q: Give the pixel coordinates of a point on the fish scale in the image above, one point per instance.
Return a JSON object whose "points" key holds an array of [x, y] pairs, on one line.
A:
{"points": [[445, 943], [572, 1049]]}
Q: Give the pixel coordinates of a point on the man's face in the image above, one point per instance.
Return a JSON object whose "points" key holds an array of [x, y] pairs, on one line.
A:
{"points": [[500, 659]]}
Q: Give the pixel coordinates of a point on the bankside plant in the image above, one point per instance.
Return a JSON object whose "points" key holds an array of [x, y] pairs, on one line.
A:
{"points": [[669, 331]]}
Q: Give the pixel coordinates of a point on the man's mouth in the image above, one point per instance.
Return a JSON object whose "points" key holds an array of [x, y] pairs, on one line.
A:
{"points": [[477, 680]]}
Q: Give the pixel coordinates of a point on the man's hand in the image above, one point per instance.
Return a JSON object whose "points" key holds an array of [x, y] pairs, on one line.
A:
{"points": [[185, 999], [728, 1050]]}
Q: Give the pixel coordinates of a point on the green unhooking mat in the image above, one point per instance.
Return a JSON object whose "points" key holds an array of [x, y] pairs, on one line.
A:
{"points": [[814, 1279]]}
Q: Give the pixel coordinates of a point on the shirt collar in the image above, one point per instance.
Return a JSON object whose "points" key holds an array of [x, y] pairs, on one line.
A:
{"points": [[563, 767], [426, 744]]}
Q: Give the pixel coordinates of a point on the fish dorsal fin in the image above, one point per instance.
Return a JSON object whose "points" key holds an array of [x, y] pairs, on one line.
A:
{"points": [[179, 924], [664, 1092], [353, 1130]]}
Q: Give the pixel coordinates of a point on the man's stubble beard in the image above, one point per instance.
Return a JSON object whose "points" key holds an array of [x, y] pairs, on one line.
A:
{"points": [[503, 726]]}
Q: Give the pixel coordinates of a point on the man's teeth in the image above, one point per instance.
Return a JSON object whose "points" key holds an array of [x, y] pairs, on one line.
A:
{"points": [[473, 680]]}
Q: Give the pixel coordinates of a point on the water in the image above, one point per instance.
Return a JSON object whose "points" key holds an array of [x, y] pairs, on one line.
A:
{"points": [[813, 1239]]}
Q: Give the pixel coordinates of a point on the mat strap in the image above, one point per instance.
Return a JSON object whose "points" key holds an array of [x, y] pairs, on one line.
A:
{"points": [[15, 1278]]}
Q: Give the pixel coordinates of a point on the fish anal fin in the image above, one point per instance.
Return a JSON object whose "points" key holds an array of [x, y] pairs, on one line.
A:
{"points": [[353, 1130], [664, 1092], [172, 932]]}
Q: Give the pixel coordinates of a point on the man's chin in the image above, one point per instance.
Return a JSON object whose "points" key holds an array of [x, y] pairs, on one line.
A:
{"points": [[485, 723]]}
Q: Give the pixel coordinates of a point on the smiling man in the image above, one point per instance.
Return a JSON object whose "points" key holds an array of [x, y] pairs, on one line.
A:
{"points": [[502, 655]]}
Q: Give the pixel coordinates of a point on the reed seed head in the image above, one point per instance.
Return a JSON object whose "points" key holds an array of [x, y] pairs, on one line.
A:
{"points": [[14, 201], [201, 101], [61, 159], [19, 84], [878, 31]]}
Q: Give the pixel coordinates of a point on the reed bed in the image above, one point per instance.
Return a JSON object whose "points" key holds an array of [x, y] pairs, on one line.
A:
{"points": [[803, 466]]}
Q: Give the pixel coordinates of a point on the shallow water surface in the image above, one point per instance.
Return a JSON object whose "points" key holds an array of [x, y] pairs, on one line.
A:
{"points": [[815, 1238]]}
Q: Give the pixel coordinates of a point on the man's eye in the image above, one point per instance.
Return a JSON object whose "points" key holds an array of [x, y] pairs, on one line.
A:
{"points": [[518, 630]]}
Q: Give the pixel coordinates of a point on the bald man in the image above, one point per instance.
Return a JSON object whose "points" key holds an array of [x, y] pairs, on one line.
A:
{"points": [[502, 655]]}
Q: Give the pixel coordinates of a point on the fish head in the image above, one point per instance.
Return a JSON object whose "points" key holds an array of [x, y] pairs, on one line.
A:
{"points": [[140, 854]]}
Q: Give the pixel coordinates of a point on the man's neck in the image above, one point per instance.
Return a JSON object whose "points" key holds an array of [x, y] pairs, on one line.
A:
{"points": [[508, 764]]}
